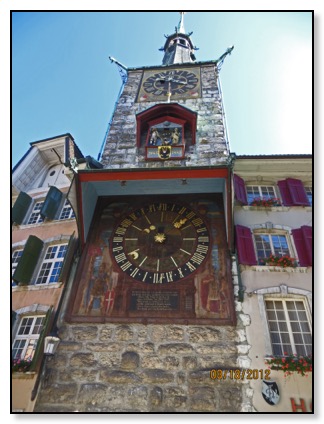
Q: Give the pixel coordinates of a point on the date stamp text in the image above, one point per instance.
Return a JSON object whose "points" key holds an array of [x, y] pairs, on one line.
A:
{"points": [[237, 374]]}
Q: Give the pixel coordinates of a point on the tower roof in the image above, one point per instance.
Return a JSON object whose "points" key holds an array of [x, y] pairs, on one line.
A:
{"points": [[178, 47]]}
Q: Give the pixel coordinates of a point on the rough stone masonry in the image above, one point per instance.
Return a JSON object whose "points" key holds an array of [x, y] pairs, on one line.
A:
{"points": [[147, 368], [138, 368]]}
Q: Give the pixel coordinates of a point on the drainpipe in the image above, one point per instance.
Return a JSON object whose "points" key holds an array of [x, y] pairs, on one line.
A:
{"points": [[239, 278]]}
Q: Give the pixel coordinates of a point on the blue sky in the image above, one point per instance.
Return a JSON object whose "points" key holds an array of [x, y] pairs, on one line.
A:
{"points": [[63, 81]]}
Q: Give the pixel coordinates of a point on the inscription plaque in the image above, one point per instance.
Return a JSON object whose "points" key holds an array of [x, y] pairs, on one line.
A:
{"points": [[154, 300]]}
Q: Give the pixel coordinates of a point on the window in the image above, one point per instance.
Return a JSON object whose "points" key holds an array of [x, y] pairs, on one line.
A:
{"points": [[67, 211], [260, 192], [267, 244], [292, 192], [309, 194], [289, 327], [27, 336], [52, 264], [35, 217], [253, 247], [16, 255]]}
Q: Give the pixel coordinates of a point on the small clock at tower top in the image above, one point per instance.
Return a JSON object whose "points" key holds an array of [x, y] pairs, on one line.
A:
{"points": [[178, 47]]}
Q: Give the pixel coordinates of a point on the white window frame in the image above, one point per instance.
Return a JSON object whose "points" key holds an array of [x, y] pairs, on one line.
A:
{"points": [[280, 292], [288, 346], [52, 264], [35, 213], [260, 194], [271, 234], [26, 342], [66, 210], [16, 255]]}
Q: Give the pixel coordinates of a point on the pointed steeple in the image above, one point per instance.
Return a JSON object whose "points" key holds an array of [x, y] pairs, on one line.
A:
{"points": [[178, 47], [181, 29]]}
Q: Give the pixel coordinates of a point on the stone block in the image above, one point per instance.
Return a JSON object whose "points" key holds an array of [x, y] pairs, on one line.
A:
{"points": [[130, 361], [67, 346], [156, 397], [189, 362], [124, 333], [156, 376], [96, 394], [176, 348], [137, 397], [78, 375], [218, 349], [82, 333], [160, 362], [83, 360], [203, 334], [200, 377], [246, 320], [109, 359], [202, 399], [58, 393], [175, 398], [230, 398], [174, 333], [244, 362], [119, 377]]}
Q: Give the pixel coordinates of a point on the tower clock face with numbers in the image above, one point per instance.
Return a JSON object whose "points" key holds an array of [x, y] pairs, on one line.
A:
{"points": [[160, 243], [180, 83]]}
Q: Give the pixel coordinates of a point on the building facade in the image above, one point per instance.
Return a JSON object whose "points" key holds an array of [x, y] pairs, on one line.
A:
{"points": [[273, 225], [156, 319], [43, 242]]}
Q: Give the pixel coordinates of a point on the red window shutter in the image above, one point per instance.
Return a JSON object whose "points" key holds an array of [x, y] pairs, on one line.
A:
{"points": [[239, 189], [308, 239], [244, 245], [285, 193], [297, 192], [304, 245]]}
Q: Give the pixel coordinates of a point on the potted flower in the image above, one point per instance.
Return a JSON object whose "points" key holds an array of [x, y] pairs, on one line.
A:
{"points": [[267, 203], [20, 365], [291, 364], [282, 261]]}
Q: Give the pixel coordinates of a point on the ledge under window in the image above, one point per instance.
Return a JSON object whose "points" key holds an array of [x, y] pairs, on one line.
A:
{"points": [[275, 208], [265, 268], [29, 287]]}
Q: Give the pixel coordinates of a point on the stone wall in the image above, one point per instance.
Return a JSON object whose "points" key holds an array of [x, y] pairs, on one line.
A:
{"points": [[138, 368], [147, 368], [121, 152]]}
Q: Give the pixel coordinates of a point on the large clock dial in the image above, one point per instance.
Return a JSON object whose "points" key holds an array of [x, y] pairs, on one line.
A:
{"points": [[160, 243], [174, 83], [177, 81]]}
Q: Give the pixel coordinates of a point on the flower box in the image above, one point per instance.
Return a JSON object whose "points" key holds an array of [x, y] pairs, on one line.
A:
{"points": [[267, 203], [281, 261], [291, 364], [20, 365]]}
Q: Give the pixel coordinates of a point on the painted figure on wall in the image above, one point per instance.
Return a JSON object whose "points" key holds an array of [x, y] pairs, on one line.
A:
{"points": [[108, 277]]}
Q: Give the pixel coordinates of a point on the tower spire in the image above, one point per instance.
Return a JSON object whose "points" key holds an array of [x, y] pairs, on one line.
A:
{"points": [[181, 27], [178, 47]]}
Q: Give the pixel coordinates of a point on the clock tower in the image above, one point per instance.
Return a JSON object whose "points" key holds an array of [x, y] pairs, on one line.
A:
{"points": [[156, 219], [152, 297]]}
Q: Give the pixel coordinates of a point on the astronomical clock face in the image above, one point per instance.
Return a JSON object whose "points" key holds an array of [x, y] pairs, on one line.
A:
{"points": [[180, 83], [150, 261], [161, 243]]}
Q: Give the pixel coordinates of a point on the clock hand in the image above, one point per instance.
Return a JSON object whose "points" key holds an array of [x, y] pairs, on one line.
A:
{"points": [[172, 80]]}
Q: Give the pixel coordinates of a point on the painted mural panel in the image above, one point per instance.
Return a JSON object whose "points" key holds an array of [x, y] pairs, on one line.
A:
{"points": [[156, 260]]}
